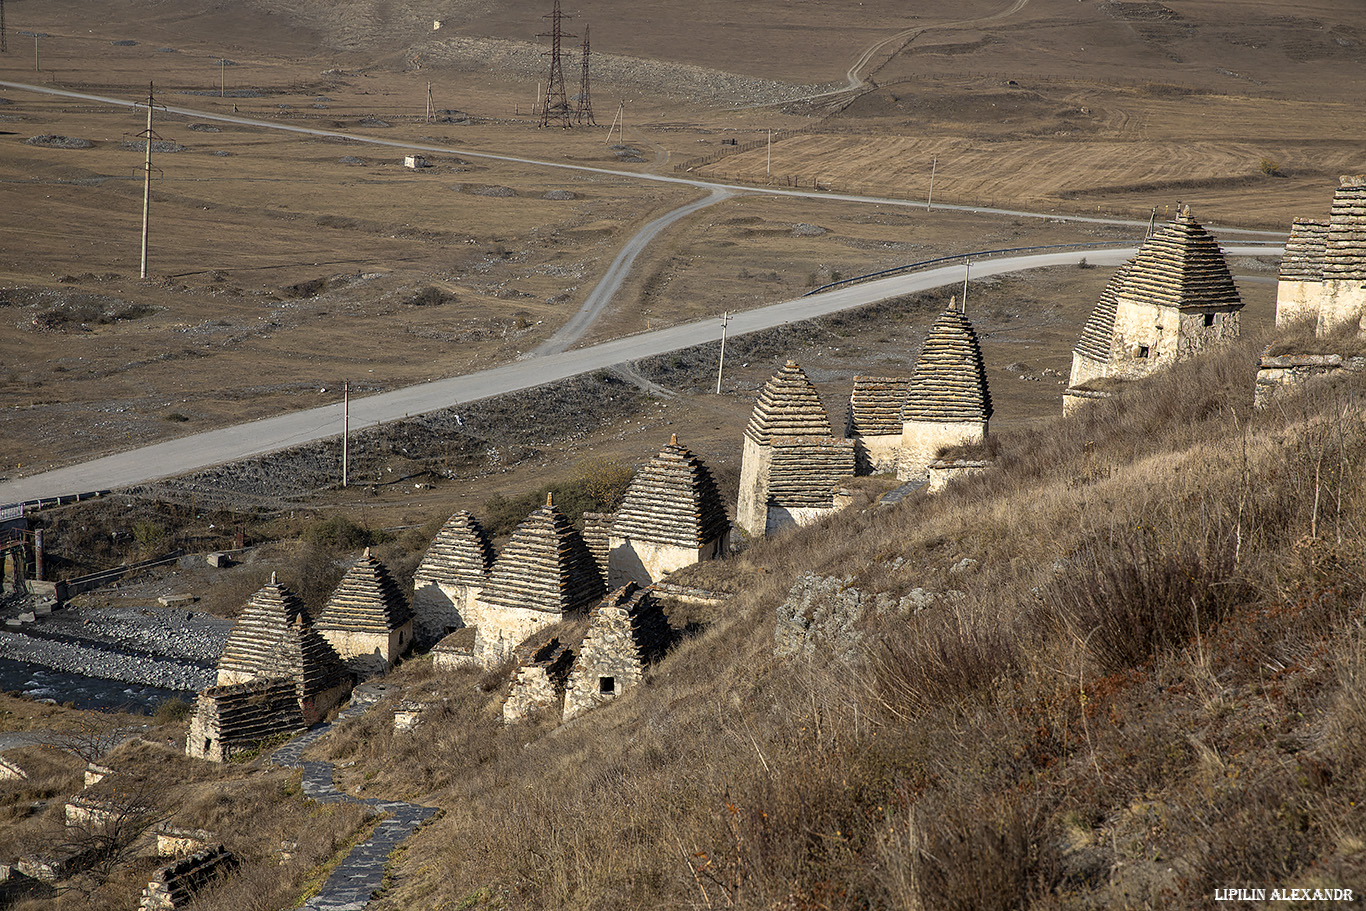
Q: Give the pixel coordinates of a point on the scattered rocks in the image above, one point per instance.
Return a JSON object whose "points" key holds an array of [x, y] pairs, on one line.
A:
{"points": [[124, 43], [494, 191], [52, 141], [351, 159], [559, 194], [819, 615], [805, 230], [158, 145], [204, 128]]}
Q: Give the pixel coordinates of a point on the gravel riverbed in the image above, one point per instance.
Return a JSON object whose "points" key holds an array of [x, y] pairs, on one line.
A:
{"points": [[168, 648]]}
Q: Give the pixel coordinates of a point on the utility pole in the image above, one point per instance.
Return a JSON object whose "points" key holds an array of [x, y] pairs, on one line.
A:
{"points": [[37, 62], [721, 364], [768, 170], [967, 270], [148, 138], [431, 108], [4, 43], [619, 118], [584, 112], [934, 164], [346, 426], [556, 101], [223, 77], [1152, 221]]}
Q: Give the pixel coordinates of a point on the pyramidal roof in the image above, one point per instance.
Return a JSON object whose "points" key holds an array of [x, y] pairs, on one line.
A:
{"points": [[366, 600], [460, 554], [273, 638], [950, 379], [875, 405], [1180, 265], [1345, 251], [309, 660], [672, 500], [788, 406], [1099, 330], [258, 630], [1304, 251], [545, 566]]}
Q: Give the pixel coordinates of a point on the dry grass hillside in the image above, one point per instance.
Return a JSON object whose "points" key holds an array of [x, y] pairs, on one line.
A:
{"points": [[1124, 668]]}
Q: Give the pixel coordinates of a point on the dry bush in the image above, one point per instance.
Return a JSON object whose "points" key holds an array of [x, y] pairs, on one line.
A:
{"points": [[1137, 593], [940, 660]]}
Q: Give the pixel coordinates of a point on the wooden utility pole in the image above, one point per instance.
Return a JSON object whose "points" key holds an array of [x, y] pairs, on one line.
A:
{"points": [[618, 121], [721, 364], [4, 42], [147, 180], [934, 165], [346, 427]]}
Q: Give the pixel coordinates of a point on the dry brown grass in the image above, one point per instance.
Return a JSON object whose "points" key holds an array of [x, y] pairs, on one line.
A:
{"points": [[1015, 745]]}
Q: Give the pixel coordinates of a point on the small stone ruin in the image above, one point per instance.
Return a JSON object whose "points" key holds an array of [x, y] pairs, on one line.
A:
{"points": [[367, 619], [626, 633], [1174, 298], [176, 884], [232, 719]]}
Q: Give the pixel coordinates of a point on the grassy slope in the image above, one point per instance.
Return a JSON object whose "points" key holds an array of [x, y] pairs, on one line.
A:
{"points": [[1148, 688]]}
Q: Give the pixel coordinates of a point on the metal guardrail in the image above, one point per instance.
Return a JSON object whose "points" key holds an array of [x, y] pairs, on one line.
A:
{"points": [[911, 267], [16, 510]]}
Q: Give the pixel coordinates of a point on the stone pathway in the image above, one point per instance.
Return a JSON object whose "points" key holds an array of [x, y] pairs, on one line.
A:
{"points": [[897, 494], [358, 877]]}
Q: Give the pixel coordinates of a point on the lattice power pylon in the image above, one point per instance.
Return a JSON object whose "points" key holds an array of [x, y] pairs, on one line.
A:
{"points": [[584, 112], [556, 108]]}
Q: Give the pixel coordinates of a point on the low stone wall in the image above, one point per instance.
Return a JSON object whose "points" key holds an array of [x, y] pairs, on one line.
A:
{"points": [[1275, 374], [943, 471]]}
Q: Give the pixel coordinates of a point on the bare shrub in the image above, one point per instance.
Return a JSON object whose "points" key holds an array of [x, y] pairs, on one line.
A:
{"points": [[942, 658], [1137, 593]]}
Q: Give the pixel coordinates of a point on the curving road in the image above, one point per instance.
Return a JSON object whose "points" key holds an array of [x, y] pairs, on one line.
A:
{"points": [[606, 289], [282, 431]]}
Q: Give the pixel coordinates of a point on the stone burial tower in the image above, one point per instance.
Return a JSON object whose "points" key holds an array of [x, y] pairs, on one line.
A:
{"points": [[449, 579], [791, 463], [947, 400], [671, 517], [545, 572], [874, 421], [273, 637], [1301, 276], [367, 619], [1166, 304], [1323, 272]]}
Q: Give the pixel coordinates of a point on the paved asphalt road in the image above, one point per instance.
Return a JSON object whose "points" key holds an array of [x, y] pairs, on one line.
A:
{"points": [[270, 434]]}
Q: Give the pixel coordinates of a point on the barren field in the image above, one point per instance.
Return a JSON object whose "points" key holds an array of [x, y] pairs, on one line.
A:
{"points": [[283, 264]]}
